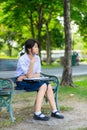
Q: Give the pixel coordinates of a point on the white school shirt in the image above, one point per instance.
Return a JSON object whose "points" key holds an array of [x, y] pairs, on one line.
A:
{"points": [[24, 63]]}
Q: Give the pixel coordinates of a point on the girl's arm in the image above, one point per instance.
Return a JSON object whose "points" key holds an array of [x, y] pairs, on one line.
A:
{"points": [[31, 70]]}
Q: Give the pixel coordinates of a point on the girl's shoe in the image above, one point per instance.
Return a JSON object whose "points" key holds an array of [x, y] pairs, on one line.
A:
{"points": [[57, 115], [38, 117]]}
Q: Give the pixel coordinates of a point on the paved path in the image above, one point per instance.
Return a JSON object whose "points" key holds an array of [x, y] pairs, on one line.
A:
{"points": [[73, 120], [76, 70]]}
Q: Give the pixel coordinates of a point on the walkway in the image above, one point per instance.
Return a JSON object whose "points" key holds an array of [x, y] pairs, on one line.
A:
{"points": [[76, 70]]}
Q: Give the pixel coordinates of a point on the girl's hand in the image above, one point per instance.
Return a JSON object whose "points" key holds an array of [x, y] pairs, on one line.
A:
{"points": [[33, 60], [21, 78]]}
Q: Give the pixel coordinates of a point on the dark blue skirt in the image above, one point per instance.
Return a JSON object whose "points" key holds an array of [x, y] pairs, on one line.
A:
{"points": [[30, 86]]}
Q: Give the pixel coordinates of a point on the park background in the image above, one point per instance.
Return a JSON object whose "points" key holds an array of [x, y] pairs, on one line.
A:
{"points": [[57, 25], [46, 21]]}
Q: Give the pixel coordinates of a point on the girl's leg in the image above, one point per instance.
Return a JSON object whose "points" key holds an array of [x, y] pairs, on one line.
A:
{"points": [[55, 113], [40, 97], [50, 97]]}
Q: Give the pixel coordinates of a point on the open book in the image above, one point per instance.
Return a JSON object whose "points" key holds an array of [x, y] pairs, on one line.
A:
{"points": [[37, 79]]}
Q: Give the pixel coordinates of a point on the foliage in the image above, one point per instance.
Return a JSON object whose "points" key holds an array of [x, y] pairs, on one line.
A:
{"points": [[79, 16], [24, 19], [28, 19]]}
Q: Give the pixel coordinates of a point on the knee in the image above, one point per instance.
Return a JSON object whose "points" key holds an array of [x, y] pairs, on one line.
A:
{"points": [[43, 87], [49, 88]]}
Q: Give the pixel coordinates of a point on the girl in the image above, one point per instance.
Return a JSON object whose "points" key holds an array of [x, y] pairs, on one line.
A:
{"points": [[29, 66]]}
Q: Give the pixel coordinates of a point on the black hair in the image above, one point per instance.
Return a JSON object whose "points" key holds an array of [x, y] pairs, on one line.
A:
{"points": [[22, 53], [29, 44]]}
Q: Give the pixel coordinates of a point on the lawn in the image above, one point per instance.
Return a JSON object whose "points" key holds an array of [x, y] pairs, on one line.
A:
{"points": [[79, 92]]}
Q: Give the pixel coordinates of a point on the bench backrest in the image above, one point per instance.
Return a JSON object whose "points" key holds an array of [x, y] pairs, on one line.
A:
{"points": [[8, 64], [6, 86]]}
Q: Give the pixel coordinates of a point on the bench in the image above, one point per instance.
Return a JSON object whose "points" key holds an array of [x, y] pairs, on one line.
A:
{"points": [[7, 89]]}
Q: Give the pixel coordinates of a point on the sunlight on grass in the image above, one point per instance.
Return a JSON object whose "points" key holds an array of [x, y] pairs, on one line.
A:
{"points": [[82, 128], [7, 57], [79, 92], [53, 65], [66, 108], [80, 78], [5, 123]]}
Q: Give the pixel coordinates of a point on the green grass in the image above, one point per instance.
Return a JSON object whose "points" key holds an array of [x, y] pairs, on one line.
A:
{"points": [[7, 57], [23, 103], [82, 128], [79, 92], [53, 65]]}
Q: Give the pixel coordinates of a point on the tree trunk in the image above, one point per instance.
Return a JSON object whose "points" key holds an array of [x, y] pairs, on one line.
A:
{"points": [[9, 50], [31, 25], [39, 27], [67, 71], [48, 48]]}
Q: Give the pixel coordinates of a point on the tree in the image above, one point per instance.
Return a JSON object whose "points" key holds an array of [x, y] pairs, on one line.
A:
{"points": [[79, 16], [28, 18], [67, 71]]}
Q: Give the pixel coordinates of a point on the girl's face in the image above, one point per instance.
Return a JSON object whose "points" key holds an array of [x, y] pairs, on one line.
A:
{"points": [[35, 49]]}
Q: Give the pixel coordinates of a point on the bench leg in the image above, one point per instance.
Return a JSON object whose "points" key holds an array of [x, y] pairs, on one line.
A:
{"points": [[11, 114], [56, 100], [10, 109], [6, 101]]}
